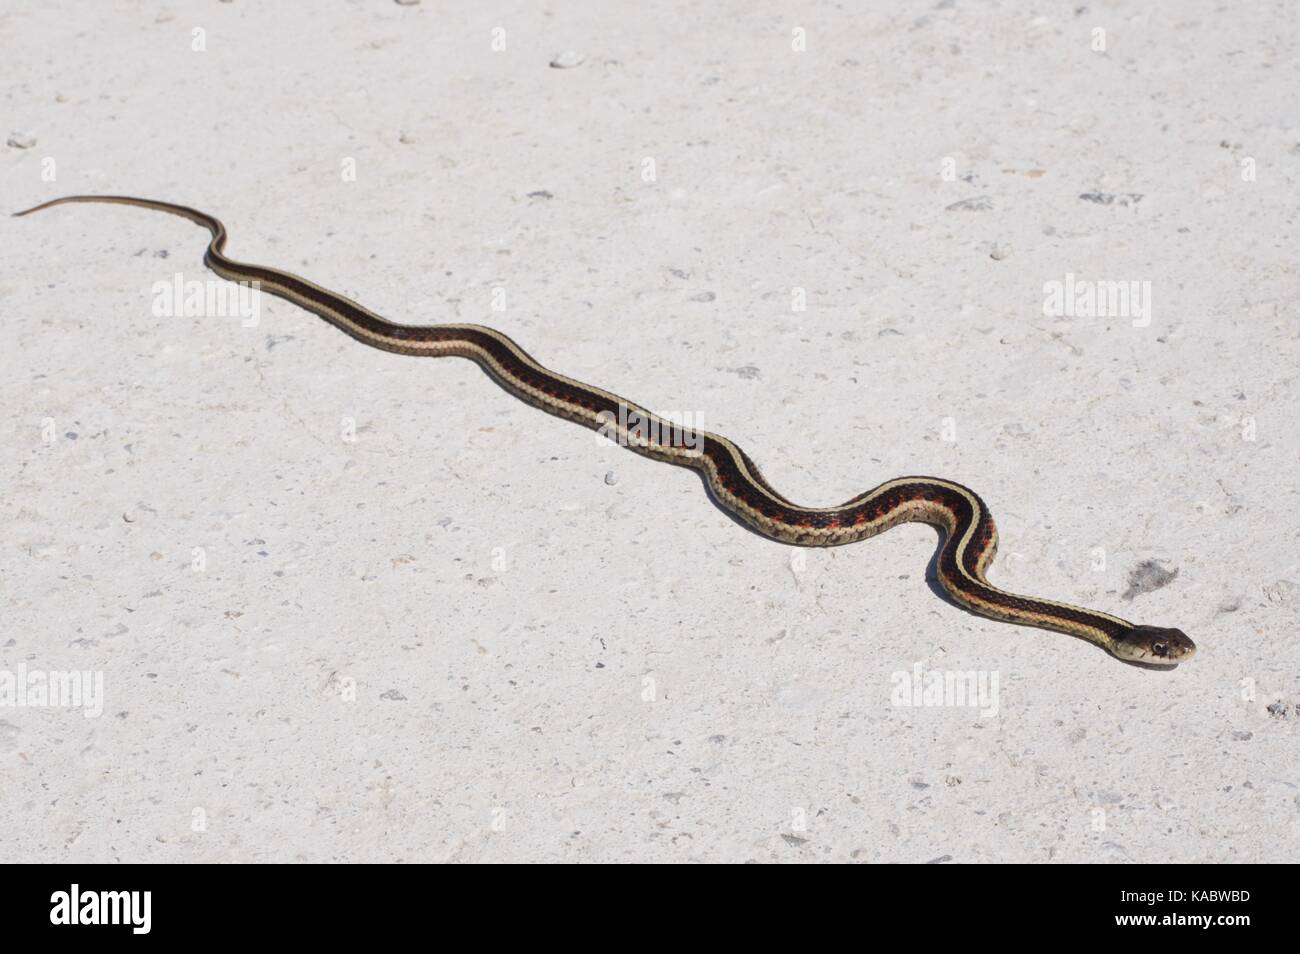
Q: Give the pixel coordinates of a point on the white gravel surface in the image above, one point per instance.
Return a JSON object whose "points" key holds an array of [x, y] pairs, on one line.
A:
{"points": [[345, 605]]}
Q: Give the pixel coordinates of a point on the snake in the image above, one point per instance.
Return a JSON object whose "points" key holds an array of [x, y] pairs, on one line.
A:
{"points": [[969, 537]]}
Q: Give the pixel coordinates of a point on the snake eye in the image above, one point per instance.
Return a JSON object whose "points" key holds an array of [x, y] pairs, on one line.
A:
{"points": [[1160, 649]]}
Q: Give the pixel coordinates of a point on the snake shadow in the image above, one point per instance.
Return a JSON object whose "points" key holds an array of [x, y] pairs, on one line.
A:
{"points": [[931, 578], [932, 581]]}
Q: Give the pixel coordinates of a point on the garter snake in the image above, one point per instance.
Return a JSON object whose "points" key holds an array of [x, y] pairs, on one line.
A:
{"points": [[970, 537]]}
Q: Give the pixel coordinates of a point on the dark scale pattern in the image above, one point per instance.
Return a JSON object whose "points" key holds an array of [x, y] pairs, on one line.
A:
{"points": [[400, 339], [984, 534], [947, 564], [728, 474], [507, 358]]}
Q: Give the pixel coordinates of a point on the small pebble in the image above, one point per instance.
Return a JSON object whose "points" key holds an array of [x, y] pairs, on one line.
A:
{"points": [[1000, 253], [22, 140], [567, 60], [611, 478]]}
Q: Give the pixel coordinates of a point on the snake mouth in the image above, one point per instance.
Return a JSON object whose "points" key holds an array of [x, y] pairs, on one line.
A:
{"points": [[1157, 646]]}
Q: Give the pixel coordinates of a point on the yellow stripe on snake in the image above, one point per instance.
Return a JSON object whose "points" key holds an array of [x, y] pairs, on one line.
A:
{"points": [[734, 482]]}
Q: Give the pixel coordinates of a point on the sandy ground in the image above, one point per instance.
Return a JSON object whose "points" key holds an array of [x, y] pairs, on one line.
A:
{"points": [[346, 605]]}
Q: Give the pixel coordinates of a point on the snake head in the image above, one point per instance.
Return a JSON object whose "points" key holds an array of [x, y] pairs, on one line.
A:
{"points": [[1155, 646]]}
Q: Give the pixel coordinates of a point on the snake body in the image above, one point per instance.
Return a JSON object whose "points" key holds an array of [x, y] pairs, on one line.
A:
{"points": [[970, 537]]}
